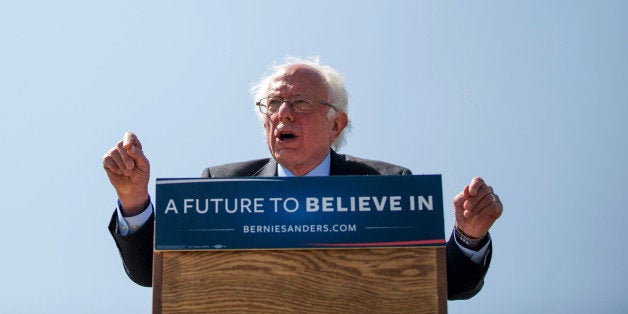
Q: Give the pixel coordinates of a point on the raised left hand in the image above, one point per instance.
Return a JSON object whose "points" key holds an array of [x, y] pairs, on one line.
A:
{"points": [[476, 208]]}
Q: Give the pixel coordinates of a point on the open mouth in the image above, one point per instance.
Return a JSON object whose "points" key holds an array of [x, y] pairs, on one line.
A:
{"points": [[286, 136]]}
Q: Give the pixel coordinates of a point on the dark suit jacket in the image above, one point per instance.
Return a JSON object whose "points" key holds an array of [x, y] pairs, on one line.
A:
{"points": [[464, 277]]}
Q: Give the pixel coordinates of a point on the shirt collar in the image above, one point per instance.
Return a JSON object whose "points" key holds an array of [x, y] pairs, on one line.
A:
{"points": [[322, 170]]}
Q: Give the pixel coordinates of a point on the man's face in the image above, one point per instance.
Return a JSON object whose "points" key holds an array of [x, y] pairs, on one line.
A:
{"points": [[300, 141]]}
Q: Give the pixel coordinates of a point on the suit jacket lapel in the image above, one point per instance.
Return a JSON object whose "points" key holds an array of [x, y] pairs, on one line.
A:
{"points": [[268, 170], [339, 166]]}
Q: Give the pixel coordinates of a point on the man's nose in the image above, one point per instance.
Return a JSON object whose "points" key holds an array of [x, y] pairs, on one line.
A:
{"points": [[285, 111]]}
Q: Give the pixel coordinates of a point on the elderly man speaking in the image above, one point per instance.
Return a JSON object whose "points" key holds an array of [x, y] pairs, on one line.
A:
{"points": [[303, 106]]}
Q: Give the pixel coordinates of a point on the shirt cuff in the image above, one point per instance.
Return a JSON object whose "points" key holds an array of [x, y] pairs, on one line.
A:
{"points": [[129, 225], [479, 256]]}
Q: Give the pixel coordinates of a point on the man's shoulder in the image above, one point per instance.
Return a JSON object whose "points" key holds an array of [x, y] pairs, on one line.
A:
{"points": [[343, 164], [237, 169]]}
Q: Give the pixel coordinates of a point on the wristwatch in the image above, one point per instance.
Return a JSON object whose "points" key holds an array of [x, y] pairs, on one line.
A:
{"points": [[469, 242]]}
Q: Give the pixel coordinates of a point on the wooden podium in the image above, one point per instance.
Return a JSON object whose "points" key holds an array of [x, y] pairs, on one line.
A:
{"points": [[374, 280], [278, 252]]}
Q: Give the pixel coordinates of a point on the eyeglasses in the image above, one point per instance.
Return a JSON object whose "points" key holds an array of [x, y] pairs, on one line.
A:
{"points": [[298, 104]]}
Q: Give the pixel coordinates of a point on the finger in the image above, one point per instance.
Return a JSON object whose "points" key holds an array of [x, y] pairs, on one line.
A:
{"points": [[494, 210], [480, 194], [140, 160], [129, 139], [486, 201], [490, 209], [461, 197], [128, 162], [112, 162], [476, 184], [133, 147]]}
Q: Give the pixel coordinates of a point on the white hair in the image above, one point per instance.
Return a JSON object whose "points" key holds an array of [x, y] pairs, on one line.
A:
{"points": [[338, 95]]}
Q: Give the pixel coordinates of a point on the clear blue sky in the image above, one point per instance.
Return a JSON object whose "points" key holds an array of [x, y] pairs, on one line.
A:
{"points": [[531, 96]]}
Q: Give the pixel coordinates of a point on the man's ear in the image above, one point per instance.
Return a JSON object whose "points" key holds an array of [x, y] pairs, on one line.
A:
{"points": [[340, 123]]}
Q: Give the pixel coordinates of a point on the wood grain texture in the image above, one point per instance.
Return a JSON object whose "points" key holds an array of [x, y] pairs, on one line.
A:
{"points": [[158, 263], [398, 280]]}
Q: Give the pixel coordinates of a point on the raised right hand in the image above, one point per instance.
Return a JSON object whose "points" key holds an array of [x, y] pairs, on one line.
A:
{"points": [[129, 171]]}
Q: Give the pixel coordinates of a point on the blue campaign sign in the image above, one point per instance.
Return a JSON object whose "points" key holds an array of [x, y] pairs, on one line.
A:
{"points": [[299, 212]]}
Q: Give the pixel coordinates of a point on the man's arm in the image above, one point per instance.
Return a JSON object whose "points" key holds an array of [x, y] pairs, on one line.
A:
{"points": [[465, 277], [128, 171], [136, 251], [476, 208]]}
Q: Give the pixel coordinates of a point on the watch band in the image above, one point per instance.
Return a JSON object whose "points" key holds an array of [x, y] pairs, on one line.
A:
{"points": [[468, 241]]}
